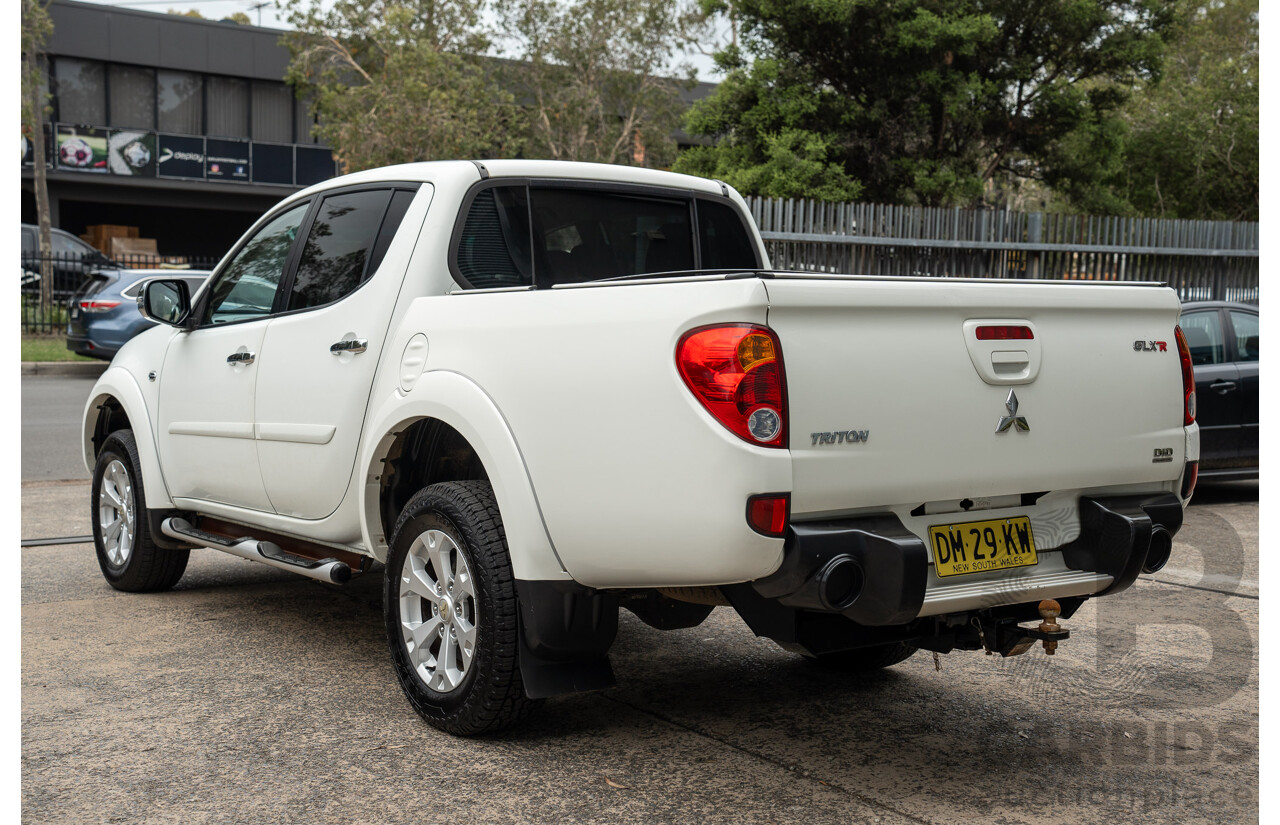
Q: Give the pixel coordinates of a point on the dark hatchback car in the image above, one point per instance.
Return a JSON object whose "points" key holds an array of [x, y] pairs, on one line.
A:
{"points": [[72, 259], [103, 312], [1223, 339]]}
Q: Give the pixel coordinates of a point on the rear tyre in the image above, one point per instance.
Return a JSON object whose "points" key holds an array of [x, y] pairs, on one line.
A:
{"points": [[451, 612], [129, 558], [865, 659]]}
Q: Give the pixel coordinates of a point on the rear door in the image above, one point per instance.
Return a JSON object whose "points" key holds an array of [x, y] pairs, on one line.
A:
{"points": [[1244, 328], [1219, 399], [323, 348]]}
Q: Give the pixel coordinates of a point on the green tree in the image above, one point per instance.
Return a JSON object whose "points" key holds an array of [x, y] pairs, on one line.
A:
{"points": [[598, 80], [395, 81], [923, 101], [37, 28], [1192, 148]]}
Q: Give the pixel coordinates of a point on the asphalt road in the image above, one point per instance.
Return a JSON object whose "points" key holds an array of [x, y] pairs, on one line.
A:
{"points": [[52, 407], [250, 695]]}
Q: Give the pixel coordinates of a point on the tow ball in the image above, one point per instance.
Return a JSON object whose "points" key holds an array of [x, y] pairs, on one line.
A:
{"points": [[1013, 639]]}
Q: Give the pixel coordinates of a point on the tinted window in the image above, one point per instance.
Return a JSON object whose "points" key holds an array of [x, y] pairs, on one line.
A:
{"points": [[246, 288], [65, 245], [1246, 329], [390, 223], [336, 256], [725, 242], [493, 250], [587, 236], [1203, 331]]}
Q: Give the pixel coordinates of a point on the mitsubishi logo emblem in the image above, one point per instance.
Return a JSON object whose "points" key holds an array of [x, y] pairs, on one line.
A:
{"points": [[1012, 419]]}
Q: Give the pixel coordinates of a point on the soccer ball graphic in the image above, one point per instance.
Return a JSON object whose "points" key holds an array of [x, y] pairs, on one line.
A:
{"points": [[75, 152], [136, 154]]}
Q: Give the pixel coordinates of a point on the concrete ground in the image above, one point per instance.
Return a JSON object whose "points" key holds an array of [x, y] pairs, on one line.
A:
{"points": [[251, 695]]}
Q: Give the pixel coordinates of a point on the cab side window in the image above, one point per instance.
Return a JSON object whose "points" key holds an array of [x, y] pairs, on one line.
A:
{"points": [[246, 288], [338, 254]]}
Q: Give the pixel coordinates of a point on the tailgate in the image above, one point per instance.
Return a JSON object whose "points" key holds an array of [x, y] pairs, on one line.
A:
{"points": [[894, 401]]}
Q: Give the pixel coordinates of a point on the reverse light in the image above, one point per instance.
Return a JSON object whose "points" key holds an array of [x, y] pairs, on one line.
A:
{"points": [[98, 306], [1188, 379], [735, 371], [767, 514]]}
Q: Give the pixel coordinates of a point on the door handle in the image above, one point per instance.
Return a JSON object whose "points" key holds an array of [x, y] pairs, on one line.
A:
{"points": [[1222, 387], [352, 345], [240, 358]]}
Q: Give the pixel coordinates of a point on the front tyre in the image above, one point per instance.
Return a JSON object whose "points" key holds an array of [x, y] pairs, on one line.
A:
{"points": [[451, 612], [129, 558]]}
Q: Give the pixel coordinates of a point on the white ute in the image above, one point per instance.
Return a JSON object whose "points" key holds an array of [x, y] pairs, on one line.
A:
{"points": [[535, 392]]}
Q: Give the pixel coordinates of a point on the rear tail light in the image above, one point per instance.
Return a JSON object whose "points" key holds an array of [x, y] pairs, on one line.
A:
{"points": [[98, 306], [735, 371], [1188, 379], [767, 514], [1190, 475]]}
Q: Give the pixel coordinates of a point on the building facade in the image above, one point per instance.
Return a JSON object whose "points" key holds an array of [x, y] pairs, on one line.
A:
{"points": [[181, 127]]}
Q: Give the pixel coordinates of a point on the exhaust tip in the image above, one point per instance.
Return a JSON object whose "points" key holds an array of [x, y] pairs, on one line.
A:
{"points": [[1159, 550], [839, 583]]}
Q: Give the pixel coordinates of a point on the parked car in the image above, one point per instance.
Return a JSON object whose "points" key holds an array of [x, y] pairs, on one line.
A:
{"points": [[72, 259], [1223, 339], [103, 313]]}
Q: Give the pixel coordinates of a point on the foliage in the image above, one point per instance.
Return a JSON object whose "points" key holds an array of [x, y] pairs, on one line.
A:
{"points": [[597, 79], [395, 81], [924, 101], [1192, 150]]}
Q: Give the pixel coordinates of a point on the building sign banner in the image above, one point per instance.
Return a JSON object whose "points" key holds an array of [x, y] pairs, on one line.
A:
{"points": [[132, 153], [272, 163], [313, 165], [181, 157], [226, 160], [29, 149], [81, 148]]}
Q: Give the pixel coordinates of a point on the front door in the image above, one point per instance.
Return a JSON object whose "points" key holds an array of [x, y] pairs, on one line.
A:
{"points": [[209, 377]]}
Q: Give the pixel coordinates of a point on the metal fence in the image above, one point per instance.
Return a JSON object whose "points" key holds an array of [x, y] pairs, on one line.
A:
{"points": [[1202, 260], [69, 272]]}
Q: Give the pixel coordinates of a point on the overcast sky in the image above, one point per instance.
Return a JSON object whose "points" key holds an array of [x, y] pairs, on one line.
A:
{"points": [[267, 15]]}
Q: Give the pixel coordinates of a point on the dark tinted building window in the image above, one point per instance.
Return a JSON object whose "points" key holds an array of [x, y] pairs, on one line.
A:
{"points": [[336, 255], [133, 97], [82, 91], [228, 102], [272, 112], [583, 235], [181, 102], [725, 242], [493, 250]]}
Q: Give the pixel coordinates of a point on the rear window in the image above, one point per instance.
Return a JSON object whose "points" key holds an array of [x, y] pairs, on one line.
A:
{"points": [[517, 236]]}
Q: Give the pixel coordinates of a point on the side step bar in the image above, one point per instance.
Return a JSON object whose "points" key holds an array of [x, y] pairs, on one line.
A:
{"points": [[325, 570]]}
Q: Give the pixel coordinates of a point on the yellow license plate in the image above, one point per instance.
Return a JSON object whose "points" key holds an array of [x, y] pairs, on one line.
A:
{"points": [[982, 546]]}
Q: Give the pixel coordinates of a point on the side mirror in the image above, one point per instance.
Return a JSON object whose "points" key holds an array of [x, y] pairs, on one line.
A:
{"points": [[166, 302]]}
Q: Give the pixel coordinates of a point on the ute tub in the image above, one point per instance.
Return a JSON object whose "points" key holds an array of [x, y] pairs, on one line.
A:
{"points": [[874, 571]]}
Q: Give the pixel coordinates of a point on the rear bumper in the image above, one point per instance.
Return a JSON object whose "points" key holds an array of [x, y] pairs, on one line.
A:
{"points": [[874, 571]]}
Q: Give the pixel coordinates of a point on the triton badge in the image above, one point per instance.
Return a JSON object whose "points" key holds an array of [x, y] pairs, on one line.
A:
{"points": [[1012, 419]]}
